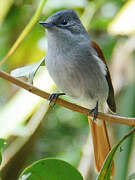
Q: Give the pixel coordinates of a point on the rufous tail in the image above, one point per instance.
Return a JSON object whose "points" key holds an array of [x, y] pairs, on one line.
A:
{"points": [[101, 142]]}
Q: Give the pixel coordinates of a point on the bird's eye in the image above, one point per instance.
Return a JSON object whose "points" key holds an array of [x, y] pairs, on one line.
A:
{"points": [[64, 22]]}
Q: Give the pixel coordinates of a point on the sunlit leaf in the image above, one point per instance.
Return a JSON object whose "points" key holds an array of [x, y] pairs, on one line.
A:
{"points": [[28, 71], [50, 169], [23, 71], [124, 23], [2, 144], [105, 171]]}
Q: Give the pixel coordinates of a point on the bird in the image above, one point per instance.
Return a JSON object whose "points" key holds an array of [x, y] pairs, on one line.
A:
{"points": [[78, 67]]}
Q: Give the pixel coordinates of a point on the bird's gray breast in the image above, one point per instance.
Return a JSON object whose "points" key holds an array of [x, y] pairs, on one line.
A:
{"points": [[65, 75], [78, 75]]}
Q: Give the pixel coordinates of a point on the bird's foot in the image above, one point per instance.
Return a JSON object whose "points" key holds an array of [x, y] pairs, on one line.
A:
{"points": [[94, 111], [54, 97]]}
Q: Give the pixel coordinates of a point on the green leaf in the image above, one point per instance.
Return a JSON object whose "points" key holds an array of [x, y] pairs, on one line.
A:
{"points": [[28, 71], [131, 177], [2, 144], [50, 169], [106, 169]]}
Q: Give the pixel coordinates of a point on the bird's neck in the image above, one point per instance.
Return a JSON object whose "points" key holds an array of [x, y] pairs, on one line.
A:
{"points": [[67, 43]]}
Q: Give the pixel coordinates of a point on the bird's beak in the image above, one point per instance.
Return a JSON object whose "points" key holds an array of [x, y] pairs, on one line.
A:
{"points": [[46, 25]]}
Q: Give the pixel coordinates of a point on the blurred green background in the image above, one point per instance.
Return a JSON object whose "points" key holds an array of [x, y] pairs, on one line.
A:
{"points": [[34, 130]]}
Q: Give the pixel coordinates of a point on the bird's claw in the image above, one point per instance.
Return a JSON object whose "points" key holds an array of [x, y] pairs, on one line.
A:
{"points": [[94, 111], [54, 97]]}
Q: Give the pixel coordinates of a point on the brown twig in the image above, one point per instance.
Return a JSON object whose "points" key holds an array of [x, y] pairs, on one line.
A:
{"points": [[74, 107]]}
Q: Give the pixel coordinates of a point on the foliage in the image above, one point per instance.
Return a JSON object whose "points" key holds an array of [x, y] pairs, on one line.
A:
{"points": [[50, 169], [105, 173], [2, 144]]}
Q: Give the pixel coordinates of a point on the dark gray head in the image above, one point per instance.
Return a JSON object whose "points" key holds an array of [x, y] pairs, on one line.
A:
{"points": [[65, 20], [65, 31]]}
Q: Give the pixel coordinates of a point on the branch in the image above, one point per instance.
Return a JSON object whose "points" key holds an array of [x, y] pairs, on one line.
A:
{"points": [[71, 106]]}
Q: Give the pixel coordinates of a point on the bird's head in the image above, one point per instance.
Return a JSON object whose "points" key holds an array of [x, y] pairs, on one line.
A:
{"points": [[64, 24]]}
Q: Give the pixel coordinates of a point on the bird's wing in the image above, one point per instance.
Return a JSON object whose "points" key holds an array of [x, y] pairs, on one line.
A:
{"points": [[110, 100]]}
